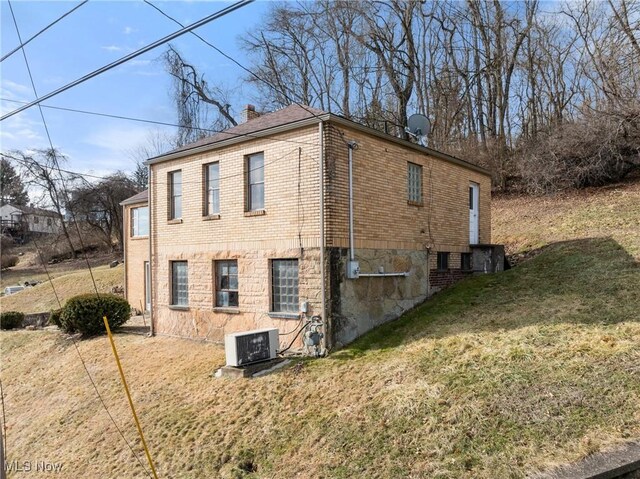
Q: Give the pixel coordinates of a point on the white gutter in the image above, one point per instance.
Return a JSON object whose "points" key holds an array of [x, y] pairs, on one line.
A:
{"points": [[325, 341]]}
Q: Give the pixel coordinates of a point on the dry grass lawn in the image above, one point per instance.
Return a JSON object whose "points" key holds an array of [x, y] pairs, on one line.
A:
{"points": [[41, 298], [500, 376]]}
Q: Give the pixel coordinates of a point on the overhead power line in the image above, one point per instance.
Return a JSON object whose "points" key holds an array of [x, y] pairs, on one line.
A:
{"points": [[42, 31], [66, 193], [161, 123], [126, 58]]}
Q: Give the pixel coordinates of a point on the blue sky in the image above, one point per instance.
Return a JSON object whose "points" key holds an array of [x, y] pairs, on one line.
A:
{"points": [[96, 34]]}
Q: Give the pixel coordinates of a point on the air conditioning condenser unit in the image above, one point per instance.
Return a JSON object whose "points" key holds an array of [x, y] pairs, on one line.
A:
{"points": [[250, 347]]}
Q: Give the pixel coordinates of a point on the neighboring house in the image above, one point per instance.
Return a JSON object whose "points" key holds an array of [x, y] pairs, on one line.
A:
{"points": [[137, 284], [252, 228], [36, 220]]}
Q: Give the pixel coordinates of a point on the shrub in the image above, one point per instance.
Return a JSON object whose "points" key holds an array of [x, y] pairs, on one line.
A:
{"points": [[11, 319], [54, 317], [84, 313], [8, 261]]}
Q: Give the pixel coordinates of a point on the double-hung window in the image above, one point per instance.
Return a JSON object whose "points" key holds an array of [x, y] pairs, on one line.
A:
{"points": [[255, 182], [179, 283], [414, 183], [284, 285], [212, 189], [175, 195], [227, 284], [140, 221]]}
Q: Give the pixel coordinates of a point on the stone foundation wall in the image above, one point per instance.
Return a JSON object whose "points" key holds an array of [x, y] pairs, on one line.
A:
{"points": [[359, 305], [202, 320]]}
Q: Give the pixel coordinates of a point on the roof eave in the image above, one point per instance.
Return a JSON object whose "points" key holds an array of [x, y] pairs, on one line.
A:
{"points": [[310, 121], [134, 202], [239, 138], [414, 146]]}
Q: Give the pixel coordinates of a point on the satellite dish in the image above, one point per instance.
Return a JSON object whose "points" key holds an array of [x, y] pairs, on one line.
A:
{"points": [[419, 125]]}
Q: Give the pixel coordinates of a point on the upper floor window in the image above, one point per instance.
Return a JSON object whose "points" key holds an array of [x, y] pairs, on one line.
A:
{"points": [[175, 195], [49, 221], [140, 221], [255, 182], [212, 189], [36, 220], [414, 183]]}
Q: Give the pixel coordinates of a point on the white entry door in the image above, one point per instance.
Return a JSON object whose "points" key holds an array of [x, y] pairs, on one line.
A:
{"points": [[147, 286], [474, 190]]}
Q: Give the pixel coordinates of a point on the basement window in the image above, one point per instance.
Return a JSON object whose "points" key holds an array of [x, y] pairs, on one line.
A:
{"points": [[227, 284], [466, 262], [179, 283], [442, 261], [284, 285]]}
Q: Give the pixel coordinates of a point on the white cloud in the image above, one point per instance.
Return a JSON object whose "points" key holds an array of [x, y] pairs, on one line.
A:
{"points": [[139, 63], [112, 48], [129, 30]]}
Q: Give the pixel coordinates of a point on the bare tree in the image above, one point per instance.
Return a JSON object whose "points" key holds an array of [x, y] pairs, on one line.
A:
{"points": [[42, 172], [194, 97]]}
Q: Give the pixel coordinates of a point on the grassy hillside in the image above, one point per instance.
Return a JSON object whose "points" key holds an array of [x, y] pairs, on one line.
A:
{"points": [[526, 223], [499, 376], [41, 298]]}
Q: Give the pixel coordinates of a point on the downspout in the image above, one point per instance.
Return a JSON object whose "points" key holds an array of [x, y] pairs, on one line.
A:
{"points": [[151, 288], [352, 145], [353, 268], [325, 341]]}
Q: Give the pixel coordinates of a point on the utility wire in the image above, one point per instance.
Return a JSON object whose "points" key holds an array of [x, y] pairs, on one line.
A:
{"points": [[22, 45], [163, 123], [230, 58], [198, 182], [56, 165], [126, 58]]}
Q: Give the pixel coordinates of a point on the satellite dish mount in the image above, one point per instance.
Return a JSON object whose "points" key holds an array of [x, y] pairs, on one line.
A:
{"points": [[418, 126]]}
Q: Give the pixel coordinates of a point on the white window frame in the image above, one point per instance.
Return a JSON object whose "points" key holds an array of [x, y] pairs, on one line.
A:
{"points": [[175, 197], [254, 180], [136, 222], [211, 189]]}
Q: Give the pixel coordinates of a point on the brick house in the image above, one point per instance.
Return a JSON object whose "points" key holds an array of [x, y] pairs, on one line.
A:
{"points": [[255, 227]]}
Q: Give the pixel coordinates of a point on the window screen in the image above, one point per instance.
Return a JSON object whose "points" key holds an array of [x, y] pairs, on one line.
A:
{"points": [[284, 285]]}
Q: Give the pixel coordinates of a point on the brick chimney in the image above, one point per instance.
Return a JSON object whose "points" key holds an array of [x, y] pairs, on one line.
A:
{"points": [[249, 113]]}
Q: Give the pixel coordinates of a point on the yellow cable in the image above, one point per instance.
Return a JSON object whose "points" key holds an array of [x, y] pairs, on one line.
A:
{"points": [[126, 388]]}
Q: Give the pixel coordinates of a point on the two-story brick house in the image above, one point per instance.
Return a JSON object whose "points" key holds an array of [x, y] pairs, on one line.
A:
{"points": [[300, 213]]}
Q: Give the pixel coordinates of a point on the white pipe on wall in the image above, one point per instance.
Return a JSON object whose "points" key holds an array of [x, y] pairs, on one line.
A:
{"points": [[325, 340], [352, 145]]}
